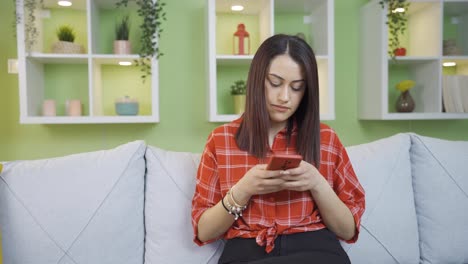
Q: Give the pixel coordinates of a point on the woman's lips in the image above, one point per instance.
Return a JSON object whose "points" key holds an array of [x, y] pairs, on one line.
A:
{"points": [[280, 108]]}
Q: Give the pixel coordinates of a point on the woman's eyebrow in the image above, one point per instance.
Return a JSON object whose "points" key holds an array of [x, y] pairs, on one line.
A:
{"points": [[279, 77]]}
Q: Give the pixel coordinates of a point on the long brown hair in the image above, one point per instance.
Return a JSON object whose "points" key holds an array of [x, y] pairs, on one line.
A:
{"points": [[252, 135]]}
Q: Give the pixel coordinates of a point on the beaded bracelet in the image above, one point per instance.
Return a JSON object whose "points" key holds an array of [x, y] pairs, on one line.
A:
{"points": [[236, 209]]}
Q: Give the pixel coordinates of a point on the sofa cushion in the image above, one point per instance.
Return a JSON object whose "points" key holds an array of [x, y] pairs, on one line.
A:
{"points": [[82, 208], [440, 180], [389, 232], [170, 184]]}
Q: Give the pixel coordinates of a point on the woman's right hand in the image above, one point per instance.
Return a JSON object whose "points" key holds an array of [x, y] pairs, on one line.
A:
{"points": [[215, 221], [258, 180]]}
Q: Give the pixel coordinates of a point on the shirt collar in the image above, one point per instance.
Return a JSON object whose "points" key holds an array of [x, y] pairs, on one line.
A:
{"points": [[282, 131]]}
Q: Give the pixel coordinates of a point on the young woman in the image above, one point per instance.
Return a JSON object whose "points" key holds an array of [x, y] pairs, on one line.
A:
{"points": [[284, 216]]}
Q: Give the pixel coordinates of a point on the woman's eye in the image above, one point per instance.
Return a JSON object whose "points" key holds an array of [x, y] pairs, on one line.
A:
{"points": [[274, 84], [297, 88]]}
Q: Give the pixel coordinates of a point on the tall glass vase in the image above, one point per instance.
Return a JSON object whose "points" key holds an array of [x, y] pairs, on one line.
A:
{"points": [[405, 102]]}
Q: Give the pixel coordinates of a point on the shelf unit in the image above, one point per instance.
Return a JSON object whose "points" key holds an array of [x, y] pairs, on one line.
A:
{"points": [[94, 77], [429, 23], [263, 18]]}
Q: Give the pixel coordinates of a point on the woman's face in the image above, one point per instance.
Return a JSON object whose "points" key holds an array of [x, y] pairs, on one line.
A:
{"points": [[284, 89]]}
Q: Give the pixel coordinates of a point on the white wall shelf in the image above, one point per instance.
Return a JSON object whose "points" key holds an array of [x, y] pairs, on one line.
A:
{"points": [[423, 62], [45, 58], [93, 77], [89, 119], [263, 18]]}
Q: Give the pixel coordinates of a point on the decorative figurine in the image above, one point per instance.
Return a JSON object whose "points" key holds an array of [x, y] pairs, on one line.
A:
{"points": [[241, 41]]}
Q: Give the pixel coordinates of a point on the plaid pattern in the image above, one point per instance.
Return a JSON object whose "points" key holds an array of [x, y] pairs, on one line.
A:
{"points": [[285, 212]]}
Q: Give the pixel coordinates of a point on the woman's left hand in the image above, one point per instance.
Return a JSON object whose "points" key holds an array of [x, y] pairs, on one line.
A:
{"points": [[303, 178]]}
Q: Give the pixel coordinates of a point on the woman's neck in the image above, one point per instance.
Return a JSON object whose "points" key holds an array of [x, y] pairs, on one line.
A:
{"points": [[274, 129]]}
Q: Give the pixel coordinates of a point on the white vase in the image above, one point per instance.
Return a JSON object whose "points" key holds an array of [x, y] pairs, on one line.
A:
{"points": [[122, 47]]}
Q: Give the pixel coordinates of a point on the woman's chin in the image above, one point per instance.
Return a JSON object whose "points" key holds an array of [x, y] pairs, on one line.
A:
{"points": [[279, 118]]}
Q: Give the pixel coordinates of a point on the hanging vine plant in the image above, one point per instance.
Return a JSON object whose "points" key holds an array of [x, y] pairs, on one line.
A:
{"points": [[27, 12], [397, 21], [152, 13]]}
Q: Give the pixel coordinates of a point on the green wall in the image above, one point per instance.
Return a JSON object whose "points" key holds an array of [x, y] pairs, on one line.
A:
{"points": [[183, 95]]}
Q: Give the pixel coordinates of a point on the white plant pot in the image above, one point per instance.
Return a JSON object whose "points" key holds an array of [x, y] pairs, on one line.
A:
{"points": [[122, 47], [67, 47]]}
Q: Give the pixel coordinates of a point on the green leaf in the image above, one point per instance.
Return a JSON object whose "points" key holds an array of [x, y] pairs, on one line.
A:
{"points": [[152, 16]]}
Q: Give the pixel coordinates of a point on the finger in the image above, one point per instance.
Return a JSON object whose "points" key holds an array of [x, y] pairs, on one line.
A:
{"points": [[290, 177], [296, 171], [294, 185], [270, 186], [273, 182], [303, 167], [273, 174]]}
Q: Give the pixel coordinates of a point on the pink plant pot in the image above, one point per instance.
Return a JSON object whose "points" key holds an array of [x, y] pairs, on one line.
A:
{"points": [[73, 107], [122, 47], [48, 108]]}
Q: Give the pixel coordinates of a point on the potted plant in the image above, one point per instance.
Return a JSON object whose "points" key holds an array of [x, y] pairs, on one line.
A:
{"points": [[397, 20], [152, 14], [122, 31], [238, 92], [66, 36]]}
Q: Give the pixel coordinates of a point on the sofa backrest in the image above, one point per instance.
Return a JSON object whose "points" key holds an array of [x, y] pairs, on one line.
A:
{"points": [[440, 182], [170, 184], [383, 168], [101, 210], [82, 208], [389, 231], [416, 200]]}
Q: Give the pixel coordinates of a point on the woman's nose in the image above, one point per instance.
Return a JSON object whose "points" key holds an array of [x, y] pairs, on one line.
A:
{"points": [[284, 93]]}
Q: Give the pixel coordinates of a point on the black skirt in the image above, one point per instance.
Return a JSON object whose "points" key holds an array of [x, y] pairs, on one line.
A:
{"points": [[321, 246]]}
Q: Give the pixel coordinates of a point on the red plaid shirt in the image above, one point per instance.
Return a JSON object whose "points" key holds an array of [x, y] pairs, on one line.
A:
{"points": [[223, 164]]}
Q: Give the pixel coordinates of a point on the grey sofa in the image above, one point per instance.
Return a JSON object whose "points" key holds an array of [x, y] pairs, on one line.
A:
{"points": [[131, 204]]}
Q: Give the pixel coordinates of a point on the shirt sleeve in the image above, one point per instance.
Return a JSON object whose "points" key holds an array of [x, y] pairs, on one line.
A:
{"points": [[207, 189], [347, 186]]}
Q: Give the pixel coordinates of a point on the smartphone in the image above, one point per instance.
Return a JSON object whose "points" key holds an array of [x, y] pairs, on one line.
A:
{"points": [[284, 162]]}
